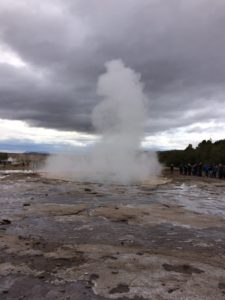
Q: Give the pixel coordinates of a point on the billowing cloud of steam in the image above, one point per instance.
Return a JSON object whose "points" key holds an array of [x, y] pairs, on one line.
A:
{"points": [[119, 118]]}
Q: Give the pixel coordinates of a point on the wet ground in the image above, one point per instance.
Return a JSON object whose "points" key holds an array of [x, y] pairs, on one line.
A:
{"points": [[70, 240]]}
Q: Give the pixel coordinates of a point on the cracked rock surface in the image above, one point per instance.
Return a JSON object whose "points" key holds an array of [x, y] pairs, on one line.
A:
{"points": [[70, 240]]}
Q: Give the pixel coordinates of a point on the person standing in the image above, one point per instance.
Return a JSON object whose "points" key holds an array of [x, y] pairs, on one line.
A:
{"points": [[171, 168]]}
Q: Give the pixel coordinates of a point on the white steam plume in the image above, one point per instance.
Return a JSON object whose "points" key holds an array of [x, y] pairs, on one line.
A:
{"points": [[119, 119]]}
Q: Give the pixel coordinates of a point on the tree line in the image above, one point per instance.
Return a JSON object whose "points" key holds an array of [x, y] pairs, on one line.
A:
{"points": [[3, 156], [205, 152]]}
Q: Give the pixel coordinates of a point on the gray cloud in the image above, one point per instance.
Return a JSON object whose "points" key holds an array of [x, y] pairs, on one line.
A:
{"points": [[178, 46]]}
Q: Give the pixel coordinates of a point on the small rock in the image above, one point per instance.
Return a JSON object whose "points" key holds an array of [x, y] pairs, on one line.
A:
{"points": [[5, 222], [172, 290], [115, 272], [26, 204], [121, 288], [221, 285], [94, 276]]}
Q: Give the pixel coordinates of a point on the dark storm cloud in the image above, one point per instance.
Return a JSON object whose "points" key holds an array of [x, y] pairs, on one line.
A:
{"points": [[178, 47]]}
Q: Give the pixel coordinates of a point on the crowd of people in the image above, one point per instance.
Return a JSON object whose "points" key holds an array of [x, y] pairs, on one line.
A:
{"points": [[199, 169]]}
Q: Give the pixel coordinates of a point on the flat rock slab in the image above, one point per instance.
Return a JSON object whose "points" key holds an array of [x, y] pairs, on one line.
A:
{"points": [[157, 214], [56, 209], [68, 240]]}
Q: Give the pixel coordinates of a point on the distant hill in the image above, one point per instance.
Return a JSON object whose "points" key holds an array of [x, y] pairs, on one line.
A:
{"points": [[27, 156], [36, 153]]}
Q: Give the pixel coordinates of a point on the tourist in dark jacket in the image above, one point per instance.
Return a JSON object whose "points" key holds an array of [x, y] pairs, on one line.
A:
{"points": [[189, 169], [200, 169], [220, 171]]}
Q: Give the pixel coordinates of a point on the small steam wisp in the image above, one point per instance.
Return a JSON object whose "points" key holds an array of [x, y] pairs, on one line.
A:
{"points": [[119, 118]]}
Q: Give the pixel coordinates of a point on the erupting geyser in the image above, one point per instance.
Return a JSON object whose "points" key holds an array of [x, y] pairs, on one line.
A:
{"points": [[119, 118]]}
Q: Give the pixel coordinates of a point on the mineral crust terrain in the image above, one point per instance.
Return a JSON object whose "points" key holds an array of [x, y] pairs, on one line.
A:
{"points": [[61, 239]]}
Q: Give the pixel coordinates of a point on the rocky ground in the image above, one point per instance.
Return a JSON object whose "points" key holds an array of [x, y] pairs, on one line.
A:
{"points": [[69, 240]]}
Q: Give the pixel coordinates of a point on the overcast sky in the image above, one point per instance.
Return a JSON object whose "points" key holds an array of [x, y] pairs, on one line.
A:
{"points": [[52, 53]]}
